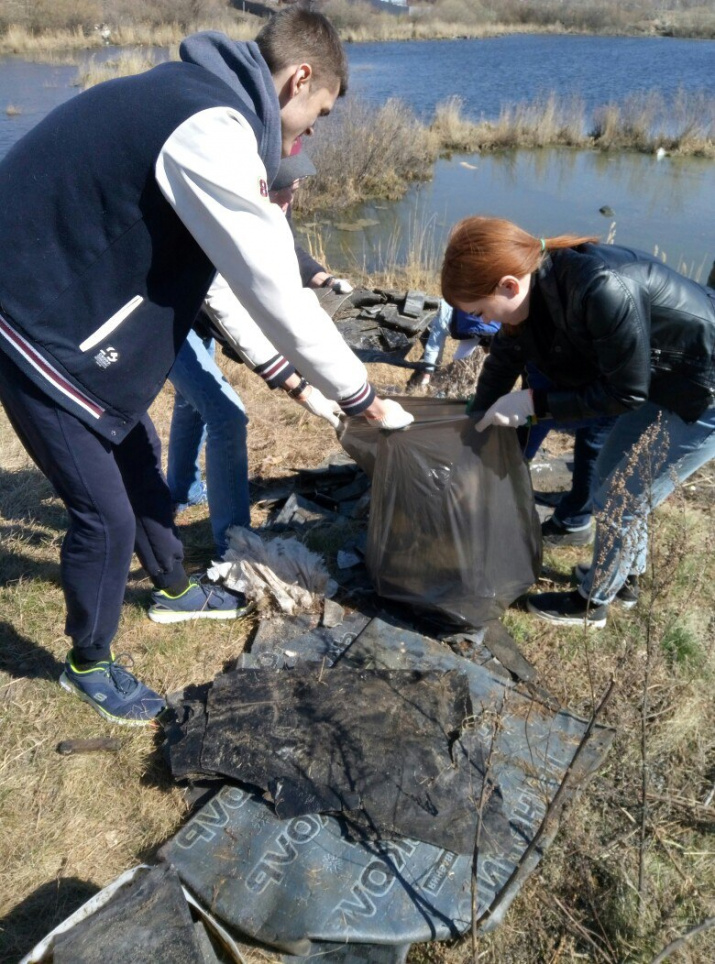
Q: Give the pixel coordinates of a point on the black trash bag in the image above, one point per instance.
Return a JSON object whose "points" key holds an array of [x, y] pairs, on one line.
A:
{"points": [[453, 526]]}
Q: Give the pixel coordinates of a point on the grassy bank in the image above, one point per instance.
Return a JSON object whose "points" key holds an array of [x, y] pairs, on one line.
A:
{"points": [[364, 153], [43, 27], [632, 867]]}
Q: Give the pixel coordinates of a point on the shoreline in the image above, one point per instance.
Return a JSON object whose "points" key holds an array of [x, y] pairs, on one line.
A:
{"points": [[18, 42]]}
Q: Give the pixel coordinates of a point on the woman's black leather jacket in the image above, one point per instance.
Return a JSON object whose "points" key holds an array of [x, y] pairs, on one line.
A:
{"points": [[612, 328]]}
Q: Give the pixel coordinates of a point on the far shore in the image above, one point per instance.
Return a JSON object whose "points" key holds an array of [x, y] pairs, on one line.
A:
{"points": [[60, 44]]}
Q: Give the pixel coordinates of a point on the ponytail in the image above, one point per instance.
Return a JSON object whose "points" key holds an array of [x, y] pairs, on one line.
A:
{"points": [[481, 251]]}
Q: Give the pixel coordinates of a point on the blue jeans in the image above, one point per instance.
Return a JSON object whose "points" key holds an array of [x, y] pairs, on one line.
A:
{"points": [[206, 407], [630, 485], [574, 509]]}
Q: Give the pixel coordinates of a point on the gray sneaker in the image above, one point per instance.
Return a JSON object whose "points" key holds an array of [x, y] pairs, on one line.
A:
{"points": [[626, 597], [113, 691], [202, 600]]}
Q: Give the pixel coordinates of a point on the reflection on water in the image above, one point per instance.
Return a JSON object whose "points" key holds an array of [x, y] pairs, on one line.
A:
{"points": [[35, 89], [667, 204]]}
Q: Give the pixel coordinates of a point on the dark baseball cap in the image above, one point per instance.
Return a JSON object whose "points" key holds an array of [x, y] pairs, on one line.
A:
{"points": [[291, 169]]}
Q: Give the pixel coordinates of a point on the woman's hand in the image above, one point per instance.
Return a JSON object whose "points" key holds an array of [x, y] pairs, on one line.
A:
{"points": [[509, 411]]}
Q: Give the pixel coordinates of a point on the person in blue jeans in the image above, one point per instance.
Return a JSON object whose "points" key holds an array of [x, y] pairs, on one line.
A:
{"points": [[618, 333], [208, 410], [470, 331]]}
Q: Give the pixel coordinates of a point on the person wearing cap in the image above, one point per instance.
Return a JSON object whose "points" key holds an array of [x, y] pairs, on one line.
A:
{"points": [[116, 210], [470, 331], [206, 407]]}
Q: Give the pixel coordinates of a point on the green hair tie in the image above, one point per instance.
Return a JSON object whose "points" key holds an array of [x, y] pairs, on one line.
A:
{"points": [[543, 244]]}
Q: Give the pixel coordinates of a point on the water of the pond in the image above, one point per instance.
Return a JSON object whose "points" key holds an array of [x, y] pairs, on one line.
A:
{"points": [[669, 203], [664, 205]]}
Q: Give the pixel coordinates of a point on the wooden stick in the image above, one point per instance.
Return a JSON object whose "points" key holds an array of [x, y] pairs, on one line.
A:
{"points": [[108, 743]]}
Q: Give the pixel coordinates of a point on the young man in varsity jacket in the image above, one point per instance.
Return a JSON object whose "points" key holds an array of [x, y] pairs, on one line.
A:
{"points": [[115, 213]]}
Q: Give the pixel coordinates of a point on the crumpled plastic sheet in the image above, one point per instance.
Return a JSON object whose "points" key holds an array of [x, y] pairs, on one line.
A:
{"points": [[282, 569], [390, 749], [352, 954], [291, 883], [453, 526]]}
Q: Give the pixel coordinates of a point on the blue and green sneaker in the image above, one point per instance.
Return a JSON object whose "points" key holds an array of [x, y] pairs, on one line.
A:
{"points": [[113, 692], [201, 600]]}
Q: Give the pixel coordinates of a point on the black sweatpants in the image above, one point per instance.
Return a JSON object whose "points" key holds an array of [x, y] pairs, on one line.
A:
{"points": [[117, 500]]}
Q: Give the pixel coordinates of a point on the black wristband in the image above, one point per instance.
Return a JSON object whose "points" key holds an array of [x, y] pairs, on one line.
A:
{"points": [[328, 282], [299, 388]]}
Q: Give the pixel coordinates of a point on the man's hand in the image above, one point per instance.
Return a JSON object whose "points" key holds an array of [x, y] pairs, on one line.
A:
{"points": [[509, 411], [315, 402], [341, 286], [389, 414], [322, 279]]}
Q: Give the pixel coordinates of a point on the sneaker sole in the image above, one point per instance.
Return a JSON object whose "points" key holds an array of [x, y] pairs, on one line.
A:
{"points": [[569, 620], [69, 686], [166, 616]]}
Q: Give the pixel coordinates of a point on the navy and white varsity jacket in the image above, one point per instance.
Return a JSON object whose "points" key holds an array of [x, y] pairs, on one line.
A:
{"points": [[115, 212]]}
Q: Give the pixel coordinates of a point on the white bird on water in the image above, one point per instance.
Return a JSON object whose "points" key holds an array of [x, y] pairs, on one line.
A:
{"points": [[660, 153]]}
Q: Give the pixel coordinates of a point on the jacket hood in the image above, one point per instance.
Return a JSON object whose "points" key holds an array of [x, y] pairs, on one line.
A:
{"points": [[242, 67]]}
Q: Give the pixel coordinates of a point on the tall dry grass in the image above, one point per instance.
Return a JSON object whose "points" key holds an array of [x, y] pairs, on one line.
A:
{"points": [[48, 24], [683, 124], [365, 153]]}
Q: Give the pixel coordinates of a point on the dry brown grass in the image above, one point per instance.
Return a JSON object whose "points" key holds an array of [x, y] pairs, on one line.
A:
{"points": [[682, 125]]}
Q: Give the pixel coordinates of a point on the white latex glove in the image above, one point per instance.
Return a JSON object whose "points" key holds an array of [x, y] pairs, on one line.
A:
{"points": [[509, 411], [395, 416], [341, 286], [316, 403]]}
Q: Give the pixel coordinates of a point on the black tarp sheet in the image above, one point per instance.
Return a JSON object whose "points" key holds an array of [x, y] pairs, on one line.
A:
{"points": [[148, 922], [391, 749], [289, 883], [453, 527]]}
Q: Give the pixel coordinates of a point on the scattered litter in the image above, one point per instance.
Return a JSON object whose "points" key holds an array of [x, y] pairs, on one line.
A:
{"points": [[316, 886], [149, 921], [302, 880], [386, 748], [282, 569], [382, 325], [346, 560], [333, 614]]}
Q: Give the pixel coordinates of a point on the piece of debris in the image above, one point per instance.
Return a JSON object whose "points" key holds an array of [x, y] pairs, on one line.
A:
{"points": [[280, 569], [108, 744], [333, 614]]}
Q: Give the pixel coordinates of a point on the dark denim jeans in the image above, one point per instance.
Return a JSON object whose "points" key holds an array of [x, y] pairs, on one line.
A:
{"points": [[574, 509]]}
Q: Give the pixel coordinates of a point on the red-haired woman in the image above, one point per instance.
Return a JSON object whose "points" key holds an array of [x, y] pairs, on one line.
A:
{"points": [[618, 333]]}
